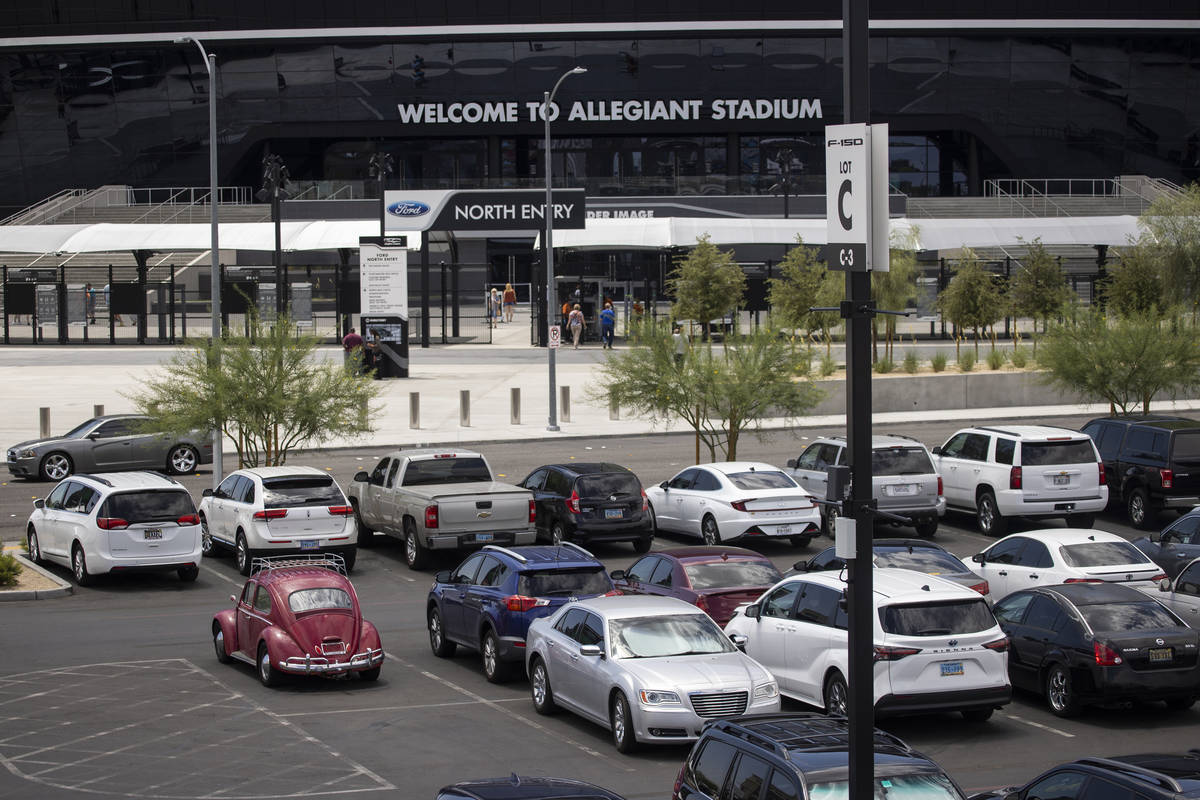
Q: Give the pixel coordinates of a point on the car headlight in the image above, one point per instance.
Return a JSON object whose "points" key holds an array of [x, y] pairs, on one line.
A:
{"points": [[766, 691], [656, 697], [31, 453]]}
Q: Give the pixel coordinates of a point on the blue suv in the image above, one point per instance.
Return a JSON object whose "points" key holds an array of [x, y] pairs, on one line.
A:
{"points": [[487, 602]]}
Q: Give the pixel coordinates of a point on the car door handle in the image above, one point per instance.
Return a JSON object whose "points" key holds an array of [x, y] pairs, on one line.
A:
{"points": [[1002, 573], [1033, 576], [574, 656]]}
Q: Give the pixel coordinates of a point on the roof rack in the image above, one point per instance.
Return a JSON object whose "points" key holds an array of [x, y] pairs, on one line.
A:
{"points": [[510, 553], [92, 477], [734, 729], [330, 561], [1133, 769], [574, 546]]}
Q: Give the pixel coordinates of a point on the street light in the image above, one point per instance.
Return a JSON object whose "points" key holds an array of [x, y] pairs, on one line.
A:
{"points": [[210, 64], [275, 182], [547, 99]]}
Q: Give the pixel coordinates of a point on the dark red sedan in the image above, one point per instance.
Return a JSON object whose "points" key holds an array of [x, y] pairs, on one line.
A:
{"points": [[715, 579], [298, 615]]}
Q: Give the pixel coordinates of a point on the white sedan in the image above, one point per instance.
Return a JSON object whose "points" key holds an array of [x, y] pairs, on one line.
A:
{"points": [[734, 499]]}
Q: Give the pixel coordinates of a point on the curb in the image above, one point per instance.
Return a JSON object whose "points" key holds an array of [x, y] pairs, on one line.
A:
{"points": [[63, 589]]}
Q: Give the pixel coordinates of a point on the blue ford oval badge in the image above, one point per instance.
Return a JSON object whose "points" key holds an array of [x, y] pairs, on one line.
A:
{"points": [[408, 208]]}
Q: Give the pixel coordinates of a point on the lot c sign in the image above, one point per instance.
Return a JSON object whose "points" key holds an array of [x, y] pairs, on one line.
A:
{"points": [[856, 196]]}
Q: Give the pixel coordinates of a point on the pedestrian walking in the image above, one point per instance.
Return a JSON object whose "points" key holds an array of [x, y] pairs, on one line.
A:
{"points": [[90, 294], [681, 345], [575, 324], [493, 307], [608, 325], [510, 302]]}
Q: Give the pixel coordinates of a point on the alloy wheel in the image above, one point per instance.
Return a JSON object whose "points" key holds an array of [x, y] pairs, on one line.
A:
{"points": [[183, 460], [57, 467]]}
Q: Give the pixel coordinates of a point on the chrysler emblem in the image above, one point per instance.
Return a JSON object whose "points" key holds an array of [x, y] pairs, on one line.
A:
{"points": [[1159, 642], [483, 514]]}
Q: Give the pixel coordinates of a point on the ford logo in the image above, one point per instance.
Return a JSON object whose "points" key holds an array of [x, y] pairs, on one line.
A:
{"points": [[408, 208]]}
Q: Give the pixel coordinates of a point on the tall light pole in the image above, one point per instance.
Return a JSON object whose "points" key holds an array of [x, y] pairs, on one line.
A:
{"points": [[547, 99], [210, 64]]}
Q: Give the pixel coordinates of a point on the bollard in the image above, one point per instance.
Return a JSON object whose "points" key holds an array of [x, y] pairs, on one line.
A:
{"points": [[44, 422], [464, 408], [614, 410], [98, 410], [414, 410], [515, 405], [564, 403]]}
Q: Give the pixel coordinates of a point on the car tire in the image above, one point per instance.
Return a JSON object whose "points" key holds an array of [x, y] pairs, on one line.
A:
{"points": [[219, 644], [828, 517], [799, 541], [539, 688], [208, 545], [1060, 692], [620, 719], [79, 566], [653, 520], [926, 530], [267, 674], [835, 695], [243, 556], [709, 531], [438, 643], [415, 556], [189, 573], [33, 546], [977, 714], [182, 460], [987, 514], [557, 534], [370, 675], [1137, 508], [349, 557], [56, 466], [366, 534], [1178, 704], [495, 670], [643, 544]]}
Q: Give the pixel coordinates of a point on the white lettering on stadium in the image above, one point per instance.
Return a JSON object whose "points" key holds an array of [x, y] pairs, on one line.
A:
{"points": [[682, 110]]}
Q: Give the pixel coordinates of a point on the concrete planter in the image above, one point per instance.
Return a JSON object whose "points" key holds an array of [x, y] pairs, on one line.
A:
{"points": [[949, 390]]}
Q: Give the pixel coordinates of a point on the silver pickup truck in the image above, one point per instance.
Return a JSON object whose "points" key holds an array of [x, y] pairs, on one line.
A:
{"points": [[439, 500]]}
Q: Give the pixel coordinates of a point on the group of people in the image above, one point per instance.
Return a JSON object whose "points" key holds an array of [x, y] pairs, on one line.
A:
{"points": [[575, 322], [501, 304], [361, 354]]}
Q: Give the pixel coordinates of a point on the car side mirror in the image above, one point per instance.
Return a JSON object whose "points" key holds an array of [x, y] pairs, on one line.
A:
{"points": [[751, 611], [978, 558], [937, 449], [791, 463], [739, 641], [361, 476], [39, 503], [590, 650], [233, 598], [617, 574], [801, 565], [663, 486], [443, 576], [207, 493], [1164, 585]]}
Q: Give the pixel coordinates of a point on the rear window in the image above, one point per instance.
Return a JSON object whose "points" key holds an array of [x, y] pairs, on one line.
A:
{"points": [[569, 582], [1186, 446], [446, 470], [720, 574], [317, 490], [1128, 616], [921, 559], [149, 505], [1046, 454], [616, 483], [324, 598], [1101, 554], [937, 619], [760, 479], [893, 787], [901, 461]]}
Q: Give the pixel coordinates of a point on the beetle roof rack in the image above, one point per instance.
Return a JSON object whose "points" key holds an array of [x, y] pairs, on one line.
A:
{"points": [[331, 561]]}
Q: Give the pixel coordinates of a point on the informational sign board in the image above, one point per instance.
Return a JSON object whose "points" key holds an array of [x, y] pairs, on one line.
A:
{"points": [[300, 303], [265, 301], [482, 210], [555, 336], [852, 180], [76, 304], [383, 276], [47, 304]]}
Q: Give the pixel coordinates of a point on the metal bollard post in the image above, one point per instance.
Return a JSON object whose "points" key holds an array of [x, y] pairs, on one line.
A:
{"points": [[98, 410], [414, 410], [464, 408], [515, 405], [44, 422], [564, 403], [614, 410]]}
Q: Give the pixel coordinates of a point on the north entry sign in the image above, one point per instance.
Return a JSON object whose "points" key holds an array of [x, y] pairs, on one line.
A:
{"points": [[482, 210]]}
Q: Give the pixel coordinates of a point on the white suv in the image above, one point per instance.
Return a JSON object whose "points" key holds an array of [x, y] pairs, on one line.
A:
{"points": [[1022, 470], [280, 510], [116, 522], [937, 645]]}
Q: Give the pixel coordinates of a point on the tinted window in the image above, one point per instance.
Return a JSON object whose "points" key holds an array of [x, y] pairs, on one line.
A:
{"points": [[683, 480], [662, 573], [749, 779], [779, 602], [590, 631], [826, 560], [565, 582], [1183, 531], [1127, 616], [937, 619], [1043, 613], [492, 573], [1012, 608], [975, 447], [115, 427], [244, 491], [1140, 442], [1100, 554], [954, 446], [535, 481], [782, 787], [808, 459], [429, 471], [79, 430], [391, 478], [1100, 789], [616, 483], [901, 461], [56, 498], [1005, 449], [297, 490], [1059, 786], [380, 472], [1034, 554], [818, 605], [149, 505], [557, 483], [80, 499], [761, 480], [1189, 580], [569, 621], [667, 635], [642, 570], [920, 559], [466, 571], [1006, 552], [895, 787], [1107, 438], [711, 767], [320, 599], [1045, 454], [719, 574], [1186, 446], [705, 482]]}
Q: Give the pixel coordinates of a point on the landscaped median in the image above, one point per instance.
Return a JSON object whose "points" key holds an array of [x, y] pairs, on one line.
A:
{"points": [[34, 583], [949, 390]]}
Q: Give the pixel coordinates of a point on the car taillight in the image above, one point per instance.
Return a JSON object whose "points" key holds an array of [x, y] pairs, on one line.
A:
{"points": [[613, 593], [532, 512], [1014, 478], [519, 602], [999, 645], [1162, 576], [188, 519], [941, 490], [1103, 478], [111, 523], [431, 516], [271, 513], [645, 501], [573, 502], [1083, 580], [678, 783], [341, 511], [1168, 478], [1105, 655], [740, 505], [894, 653], [982, 587], [702, 603]]}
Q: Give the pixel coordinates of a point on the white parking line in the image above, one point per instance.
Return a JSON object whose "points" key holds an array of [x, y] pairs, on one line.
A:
{"points": [[398, 708], [220, 575], [1039, 725]]}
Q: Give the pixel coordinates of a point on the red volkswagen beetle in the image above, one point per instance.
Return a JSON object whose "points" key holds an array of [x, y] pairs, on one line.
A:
{"points": [[298, 615]]}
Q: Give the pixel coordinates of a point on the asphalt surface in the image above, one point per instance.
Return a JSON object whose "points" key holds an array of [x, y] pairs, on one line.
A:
{"points": [[115, 691]]}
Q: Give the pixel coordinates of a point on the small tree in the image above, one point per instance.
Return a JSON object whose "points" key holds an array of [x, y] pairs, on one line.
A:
{"points": [[1173, 222], [973, 299], [1038, 288], [266, 393], [1135, 283], [706, 284], [721, 392], [794, 292], [892, 290]]}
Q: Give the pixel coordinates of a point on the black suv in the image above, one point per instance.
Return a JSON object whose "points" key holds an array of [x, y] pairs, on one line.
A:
{"points": [[1151, 463], [1150, 776], [590, 502], [798, 756], [519, 788]]}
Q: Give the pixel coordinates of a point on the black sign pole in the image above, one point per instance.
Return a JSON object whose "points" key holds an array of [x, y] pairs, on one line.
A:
{"points": [[424, 288]]}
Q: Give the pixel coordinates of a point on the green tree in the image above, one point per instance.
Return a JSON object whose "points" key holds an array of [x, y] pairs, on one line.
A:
{"points": [[1135, 282], [973, 299], [266, 392], [805, 283], [1173, 220], [720, 392], [893, 289], [1127, 361], [1038, 289], [706, 284]]}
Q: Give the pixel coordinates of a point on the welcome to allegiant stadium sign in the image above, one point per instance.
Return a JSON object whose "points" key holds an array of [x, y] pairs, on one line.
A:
{"points": [[683, 110]]}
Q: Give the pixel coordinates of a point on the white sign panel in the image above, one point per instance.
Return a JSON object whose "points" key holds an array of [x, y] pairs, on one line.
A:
{"points": [[848, 194], [555, 336], [383, 281], [879, 259]]}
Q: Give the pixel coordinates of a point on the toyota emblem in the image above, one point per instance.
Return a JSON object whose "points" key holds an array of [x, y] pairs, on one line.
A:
{"points": [[1159, 642]]}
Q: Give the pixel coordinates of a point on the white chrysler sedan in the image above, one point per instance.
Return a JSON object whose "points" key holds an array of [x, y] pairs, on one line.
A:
{"points": [[731, 500], [651, 669]]}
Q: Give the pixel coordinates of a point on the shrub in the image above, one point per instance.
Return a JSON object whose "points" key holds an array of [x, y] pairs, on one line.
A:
{"points": [[966, 361], [1019, 358], [884, 365], [910, 362], [10, 568], [938, 362], [828, 366], [996, 358]]}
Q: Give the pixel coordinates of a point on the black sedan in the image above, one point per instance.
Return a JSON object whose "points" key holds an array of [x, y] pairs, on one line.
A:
{"points": [[1091, 643], [590, 502], [1174, 547]]}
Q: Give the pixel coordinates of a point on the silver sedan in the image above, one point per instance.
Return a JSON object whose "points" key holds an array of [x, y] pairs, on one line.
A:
{"points": [[650, 669]]}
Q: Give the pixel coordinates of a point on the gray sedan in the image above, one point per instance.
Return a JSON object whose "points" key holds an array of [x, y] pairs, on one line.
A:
{"points": [[109, 444], [651, 669], [915, 554]]}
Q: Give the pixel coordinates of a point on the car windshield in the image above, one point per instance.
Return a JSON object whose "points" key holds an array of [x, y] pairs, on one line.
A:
{"points": [[564, 582], [947, 618], [894, 787], [1145, 616], [428, 471], [720, 574], [79, 430], [322, 599], [1046, 454], [151, 505], [901, 461], [761, 479], [921, 559], [616, 483], [665, 636], [301, 490], [1101, 554]]}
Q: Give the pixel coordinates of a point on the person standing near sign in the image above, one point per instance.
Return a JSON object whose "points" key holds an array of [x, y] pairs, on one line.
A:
{"points": [[90, 294], [608, 325], [510, 302], [352, 343], [575, 324]]}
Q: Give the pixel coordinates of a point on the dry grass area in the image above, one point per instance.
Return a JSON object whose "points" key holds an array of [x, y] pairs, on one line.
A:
{"points": [[28, 580], [923, 369]]}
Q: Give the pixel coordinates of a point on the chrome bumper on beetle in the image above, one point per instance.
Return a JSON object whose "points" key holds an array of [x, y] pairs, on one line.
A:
{"points": [[309, 665]]}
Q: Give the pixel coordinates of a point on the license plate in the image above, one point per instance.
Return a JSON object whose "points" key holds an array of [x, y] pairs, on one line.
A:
{"points": [[902, 489], [952, 668], [483, 537], [614, 513], [1160, 654], [1062, 480], [783, 530], [309, 544], [151, 533]]}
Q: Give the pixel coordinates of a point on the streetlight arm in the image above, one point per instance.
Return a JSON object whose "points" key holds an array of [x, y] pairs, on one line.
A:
{"points": [[204, 56]]}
